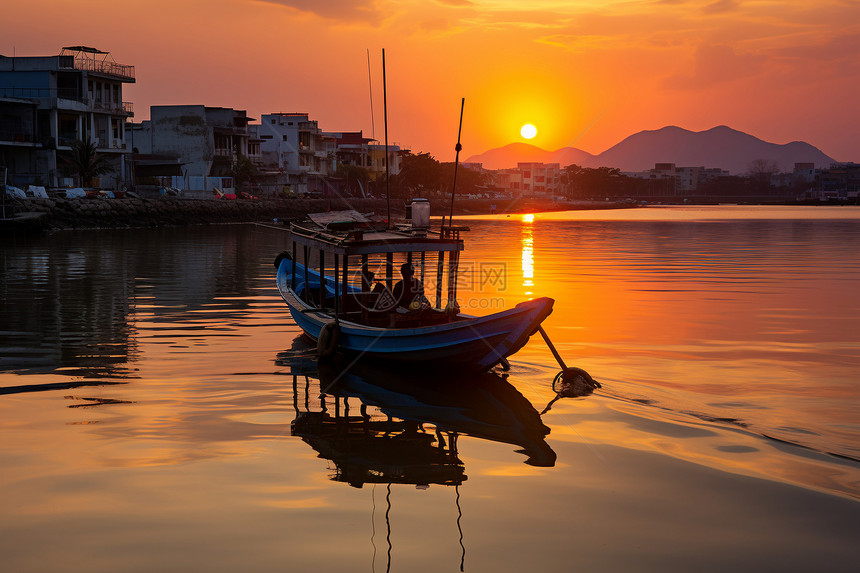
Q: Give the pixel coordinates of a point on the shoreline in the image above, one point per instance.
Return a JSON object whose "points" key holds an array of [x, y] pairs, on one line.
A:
{"points": [[32, 215], [40, 215]]}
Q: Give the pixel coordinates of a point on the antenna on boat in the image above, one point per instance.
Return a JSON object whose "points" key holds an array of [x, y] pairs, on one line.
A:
{"points": [[458, 147], [385, 110]]}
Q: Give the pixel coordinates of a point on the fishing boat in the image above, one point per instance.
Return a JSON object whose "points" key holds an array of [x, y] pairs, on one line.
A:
{"points": [[327, 281]]}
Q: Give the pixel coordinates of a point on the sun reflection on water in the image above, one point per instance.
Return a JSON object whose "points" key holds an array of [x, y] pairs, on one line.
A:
{"points": [[528, 254]]}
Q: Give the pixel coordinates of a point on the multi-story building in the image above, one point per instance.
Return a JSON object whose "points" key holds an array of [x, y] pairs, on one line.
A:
{"points": [[840, 182], [352, 148], [804, 172], [204, 140], [306, 157], [294, 145], [509, 180], [540, 179], [683, 179], [49, 102], [377, 154]]}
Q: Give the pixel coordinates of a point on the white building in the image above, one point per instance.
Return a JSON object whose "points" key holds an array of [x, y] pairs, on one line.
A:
{"points": [[294, 145], [49, 102], [540, 179], [204, 140], [685, 179]]}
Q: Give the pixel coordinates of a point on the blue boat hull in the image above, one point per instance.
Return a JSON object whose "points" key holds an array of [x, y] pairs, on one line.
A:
{"points": [[474, 343]]}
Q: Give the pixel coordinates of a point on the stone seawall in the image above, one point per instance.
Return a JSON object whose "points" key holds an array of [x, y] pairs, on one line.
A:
{"points": [[101, 212], [86, 213]]}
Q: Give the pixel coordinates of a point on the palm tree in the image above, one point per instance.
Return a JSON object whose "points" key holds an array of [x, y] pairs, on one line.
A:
{"points": [[86, 163]]}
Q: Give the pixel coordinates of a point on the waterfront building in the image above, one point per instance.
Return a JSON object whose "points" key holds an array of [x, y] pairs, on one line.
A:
{"points": [[49, 102], [804, 172], [190, 147], [839, 183], [352, 148], [509, 180], [205, 140], [684, 180], [298, 154], [377, 154], [540, 179], [293, 147]]}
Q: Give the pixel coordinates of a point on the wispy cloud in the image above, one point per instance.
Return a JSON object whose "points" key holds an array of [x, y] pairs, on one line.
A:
{"points": [[722, 6], [577, 43], [717, 64], [361, 11], [839, 47]]}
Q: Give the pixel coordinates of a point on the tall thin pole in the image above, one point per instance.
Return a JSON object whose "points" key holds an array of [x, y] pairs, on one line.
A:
{"points": [[456, 161], [385, 109], [5, 171], [370, 85]]}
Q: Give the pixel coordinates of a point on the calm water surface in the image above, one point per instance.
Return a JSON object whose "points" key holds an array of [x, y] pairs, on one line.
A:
{"points": [[159, 411]]}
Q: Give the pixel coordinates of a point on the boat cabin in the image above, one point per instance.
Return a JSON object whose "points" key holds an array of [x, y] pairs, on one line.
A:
{"points": [[358, 270]]}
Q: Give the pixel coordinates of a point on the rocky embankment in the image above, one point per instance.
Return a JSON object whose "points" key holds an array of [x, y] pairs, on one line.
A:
{"points": [[103, 212], [94, 213]]}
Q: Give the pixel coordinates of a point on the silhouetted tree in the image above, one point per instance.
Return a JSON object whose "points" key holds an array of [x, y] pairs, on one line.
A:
{"points": [[420, 176], [85, 162], [469, 181], [762, 170], [583, 182], [243, 171], [356, 178]]}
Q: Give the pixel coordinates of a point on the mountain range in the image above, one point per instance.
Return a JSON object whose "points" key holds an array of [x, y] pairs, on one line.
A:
{"points": [[720, 146]]}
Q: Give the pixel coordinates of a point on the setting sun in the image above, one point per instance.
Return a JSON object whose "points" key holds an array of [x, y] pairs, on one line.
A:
{"points": [[528, 131]]}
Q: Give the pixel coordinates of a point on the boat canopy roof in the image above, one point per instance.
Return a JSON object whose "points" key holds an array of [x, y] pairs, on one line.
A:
{"points": [[351, 233]]}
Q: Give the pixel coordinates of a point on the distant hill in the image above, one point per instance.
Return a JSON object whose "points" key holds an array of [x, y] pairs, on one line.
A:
{"points": [[720, 146], [511, 154]]}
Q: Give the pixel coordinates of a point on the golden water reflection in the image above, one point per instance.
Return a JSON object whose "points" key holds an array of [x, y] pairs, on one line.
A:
{"points": [[528, 260]]}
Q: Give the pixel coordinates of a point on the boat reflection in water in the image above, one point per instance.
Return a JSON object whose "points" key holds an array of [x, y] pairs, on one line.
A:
{"points": [[384, 426]]}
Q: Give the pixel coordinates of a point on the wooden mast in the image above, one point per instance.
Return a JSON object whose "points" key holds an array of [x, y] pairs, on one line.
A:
{"points": [[385, 113], [458, 147]]}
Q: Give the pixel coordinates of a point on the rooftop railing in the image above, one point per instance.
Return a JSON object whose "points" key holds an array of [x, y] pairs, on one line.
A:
{"points": [[104, 67]]}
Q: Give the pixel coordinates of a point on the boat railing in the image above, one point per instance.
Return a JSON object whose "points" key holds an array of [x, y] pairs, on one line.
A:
{"points": [[452, 231]]}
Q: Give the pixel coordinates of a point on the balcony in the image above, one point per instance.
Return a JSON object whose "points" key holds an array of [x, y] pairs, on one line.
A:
{"points": [[15, 136], [124, 108]]}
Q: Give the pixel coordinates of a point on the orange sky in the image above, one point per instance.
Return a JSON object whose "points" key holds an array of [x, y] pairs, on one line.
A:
{"points": [[586, 73]]}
